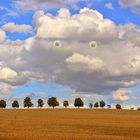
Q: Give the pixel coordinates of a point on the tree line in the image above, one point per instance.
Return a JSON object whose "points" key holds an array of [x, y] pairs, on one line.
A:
{"points": [[53, 102]]}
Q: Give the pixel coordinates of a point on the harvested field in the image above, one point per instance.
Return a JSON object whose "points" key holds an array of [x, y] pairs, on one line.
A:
{"points": [[69, 124]]}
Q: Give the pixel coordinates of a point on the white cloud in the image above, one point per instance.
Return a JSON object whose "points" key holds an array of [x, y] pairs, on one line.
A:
{"points": [[6, 88], [2, 35], [85, 62], [109, 6], [82, 26], [12, 27], [64, 13], [73, 63], [121, 95], [7, 73], [62, 52]]}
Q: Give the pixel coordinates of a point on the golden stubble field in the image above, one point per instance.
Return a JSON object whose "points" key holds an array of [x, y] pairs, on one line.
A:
{"points": [[69, 124]]}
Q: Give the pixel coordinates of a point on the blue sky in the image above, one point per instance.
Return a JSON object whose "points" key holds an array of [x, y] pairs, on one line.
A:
{"points": [[34, 63]]}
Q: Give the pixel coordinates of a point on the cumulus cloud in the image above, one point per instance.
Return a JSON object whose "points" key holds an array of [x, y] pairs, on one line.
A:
{"points": [[6, 88], [64, 13], [12, 27], [6, 73], [10, 78], [85, 51], [75, 58], [85, 62], [82, 26], [121, 95]]}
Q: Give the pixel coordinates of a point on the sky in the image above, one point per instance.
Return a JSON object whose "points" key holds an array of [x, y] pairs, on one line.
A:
{"points": [[68, 49]]}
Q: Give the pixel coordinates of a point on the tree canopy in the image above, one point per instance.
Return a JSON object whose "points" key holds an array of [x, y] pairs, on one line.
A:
{"points": [[102, 103], [3, 104], [96, 105], [52, 102], [40, 103], [27, 102], [15, 104], [118, 106], [78, 102], [65, 103]]}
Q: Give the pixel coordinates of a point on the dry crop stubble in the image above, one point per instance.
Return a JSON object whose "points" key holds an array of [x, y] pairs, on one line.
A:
{"points": [[69, 124]]}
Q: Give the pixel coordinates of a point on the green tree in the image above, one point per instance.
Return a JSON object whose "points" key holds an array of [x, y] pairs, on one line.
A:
{"points": [[40, 103], [102, 103], [90, 105], [78, 102], [118, 106], [96, 105], [3, 104], [52, 102], [65, 104], [27, 102], [15, 104]]}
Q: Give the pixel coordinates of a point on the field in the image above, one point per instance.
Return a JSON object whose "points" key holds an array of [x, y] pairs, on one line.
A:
{"points": [[69, 124]]}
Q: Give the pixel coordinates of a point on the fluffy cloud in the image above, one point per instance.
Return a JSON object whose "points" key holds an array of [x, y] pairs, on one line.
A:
{"points": [[12, 27], [85, 51], [2, 35], [6, 88], [85, 62], [10, 78], [82, 26], [121, 95], [7, 73], [75, 62]]}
